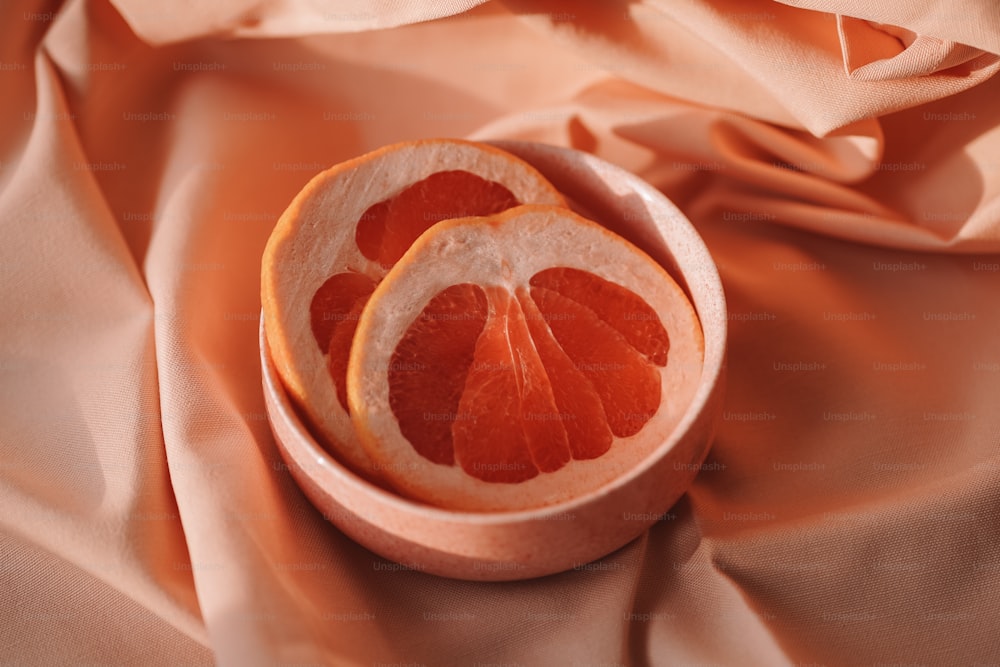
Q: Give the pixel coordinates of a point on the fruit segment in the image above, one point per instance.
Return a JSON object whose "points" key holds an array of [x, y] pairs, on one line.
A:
{"points": [[334, 313], [510, 386], [333, 303], [579, 407], [429, 367], [387, 229], [508, 434], [621, 308], [627, 383]]}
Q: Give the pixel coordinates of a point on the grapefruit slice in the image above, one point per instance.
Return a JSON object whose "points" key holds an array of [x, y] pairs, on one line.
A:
{"points": [[340, 235], [519, 360]]}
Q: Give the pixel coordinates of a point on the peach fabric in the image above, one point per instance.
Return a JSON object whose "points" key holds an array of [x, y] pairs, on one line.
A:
{"points": [[841, 159]]}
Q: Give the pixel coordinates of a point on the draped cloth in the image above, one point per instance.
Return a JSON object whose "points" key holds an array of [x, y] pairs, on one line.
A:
{"points": [[840, 158]]}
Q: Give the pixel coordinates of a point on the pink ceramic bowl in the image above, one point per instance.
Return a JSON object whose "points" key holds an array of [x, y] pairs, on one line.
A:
{"points": [[532, 543]]}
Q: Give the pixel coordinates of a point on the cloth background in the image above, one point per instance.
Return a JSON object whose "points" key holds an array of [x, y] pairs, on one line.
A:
{"points": [[841, 159]]}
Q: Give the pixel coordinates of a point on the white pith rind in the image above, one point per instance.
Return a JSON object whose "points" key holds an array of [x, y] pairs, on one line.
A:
{"points": [[314, 239], [507, 250]]}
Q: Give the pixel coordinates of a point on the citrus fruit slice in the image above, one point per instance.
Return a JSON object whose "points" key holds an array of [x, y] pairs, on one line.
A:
{"points": [[519, 360], [340, 235]]}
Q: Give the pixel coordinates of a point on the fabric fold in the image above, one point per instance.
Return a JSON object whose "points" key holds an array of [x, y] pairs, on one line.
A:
{"points": [[874, 52], [277, 18], [972, 22], [84, 478]]}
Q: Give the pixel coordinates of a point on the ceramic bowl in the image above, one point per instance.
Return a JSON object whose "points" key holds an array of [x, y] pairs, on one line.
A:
{"points": [[532, 543]]}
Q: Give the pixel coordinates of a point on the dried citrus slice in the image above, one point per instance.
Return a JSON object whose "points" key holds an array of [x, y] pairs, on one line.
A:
{"points": [[518, 360], [341, 234]]}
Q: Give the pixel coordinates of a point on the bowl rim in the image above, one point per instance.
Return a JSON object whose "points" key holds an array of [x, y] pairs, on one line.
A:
{"points": [[712, 365]]}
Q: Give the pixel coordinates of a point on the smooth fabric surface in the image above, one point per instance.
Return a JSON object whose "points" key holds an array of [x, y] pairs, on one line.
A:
{"points": [[841, 160]]}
